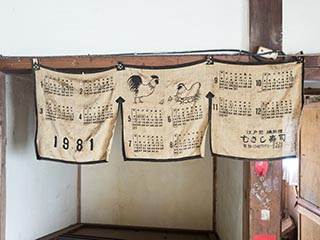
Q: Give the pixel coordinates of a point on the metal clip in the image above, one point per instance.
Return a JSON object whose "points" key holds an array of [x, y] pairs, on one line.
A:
{"points": [[300, 57], [35, 64], [120, 66], [209, 60]]}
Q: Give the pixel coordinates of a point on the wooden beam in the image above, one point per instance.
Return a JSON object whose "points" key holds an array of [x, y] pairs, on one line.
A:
{"points": [[79, 63], [2, 156], [23, 64], [312, 73], [312, 68], [265, 24], [312, 91], [312, 61], [265, 30]]}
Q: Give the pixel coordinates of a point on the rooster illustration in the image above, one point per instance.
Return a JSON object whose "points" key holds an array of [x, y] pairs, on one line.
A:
{"points": [[140, 89], [188, 95]]}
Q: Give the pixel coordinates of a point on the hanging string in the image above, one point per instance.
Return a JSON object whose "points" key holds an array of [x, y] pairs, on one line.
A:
{"points": [[224, 52], [260, 57]]}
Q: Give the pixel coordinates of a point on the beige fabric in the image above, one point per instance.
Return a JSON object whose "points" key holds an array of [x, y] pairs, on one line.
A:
{"points": [[255, 112], [76, 115], [165, 115], [256, 109]]}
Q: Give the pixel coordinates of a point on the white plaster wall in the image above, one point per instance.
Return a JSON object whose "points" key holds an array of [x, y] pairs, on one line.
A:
{"points": [[165, 195], [301, 26], [60, 27], [41, 196], [229, 198]]}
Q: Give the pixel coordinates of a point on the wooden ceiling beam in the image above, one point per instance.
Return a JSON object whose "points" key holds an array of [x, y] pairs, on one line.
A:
{"points": [[24, 64], [16, 65]]}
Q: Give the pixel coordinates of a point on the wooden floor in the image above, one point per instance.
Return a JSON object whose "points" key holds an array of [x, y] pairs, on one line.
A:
{"points": [[115, 233]]}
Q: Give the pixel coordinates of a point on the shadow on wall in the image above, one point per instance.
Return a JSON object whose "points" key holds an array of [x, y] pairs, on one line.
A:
{"points": [[21, 105]]}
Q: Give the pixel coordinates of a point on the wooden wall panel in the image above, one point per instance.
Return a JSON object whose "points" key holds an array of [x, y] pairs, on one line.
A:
{"points": [[309, 230], [310, 154]]}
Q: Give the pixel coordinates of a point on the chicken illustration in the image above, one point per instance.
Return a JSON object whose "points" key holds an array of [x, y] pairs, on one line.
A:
{"points": [[188, 95], [140, 89]]}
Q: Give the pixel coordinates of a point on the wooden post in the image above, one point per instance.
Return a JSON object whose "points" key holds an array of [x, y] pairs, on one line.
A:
{"points": [[265, 30], [265, 24], [2, 156]]}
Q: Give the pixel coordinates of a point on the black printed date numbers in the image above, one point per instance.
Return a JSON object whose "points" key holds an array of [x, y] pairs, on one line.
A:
{"points": [[78, 144]]}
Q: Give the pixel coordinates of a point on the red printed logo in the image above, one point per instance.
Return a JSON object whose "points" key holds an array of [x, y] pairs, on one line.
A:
{"points": [[264, 237]]}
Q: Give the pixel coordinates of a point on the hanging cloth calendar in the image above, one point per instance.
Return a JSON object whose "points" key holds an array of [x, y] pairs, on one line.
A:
{"points": [[253, 111], [256, 109], [165, 112], [76, 115]]}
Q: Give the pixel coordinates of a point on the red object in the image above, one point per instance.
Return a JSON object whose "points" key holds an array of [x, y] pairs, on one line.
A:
{"points": [[261, 168], [264, 237]]}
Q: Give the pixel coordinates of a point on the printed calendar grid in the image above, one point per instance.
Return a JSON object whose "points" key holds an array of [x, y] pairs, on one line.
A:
{"points": [[58, 112], [97, 86], [234, 80], [234, 107], [58, 86], [187, 141], [181, 116], [97, 114], [147, 143], [277, 80], [276, 109], [146, 118]]}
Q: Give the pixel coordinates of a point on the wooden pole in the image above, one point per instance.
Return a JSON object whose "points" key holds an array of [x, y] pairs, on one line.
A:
{"points": [[2, 156], [265, 213]]}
